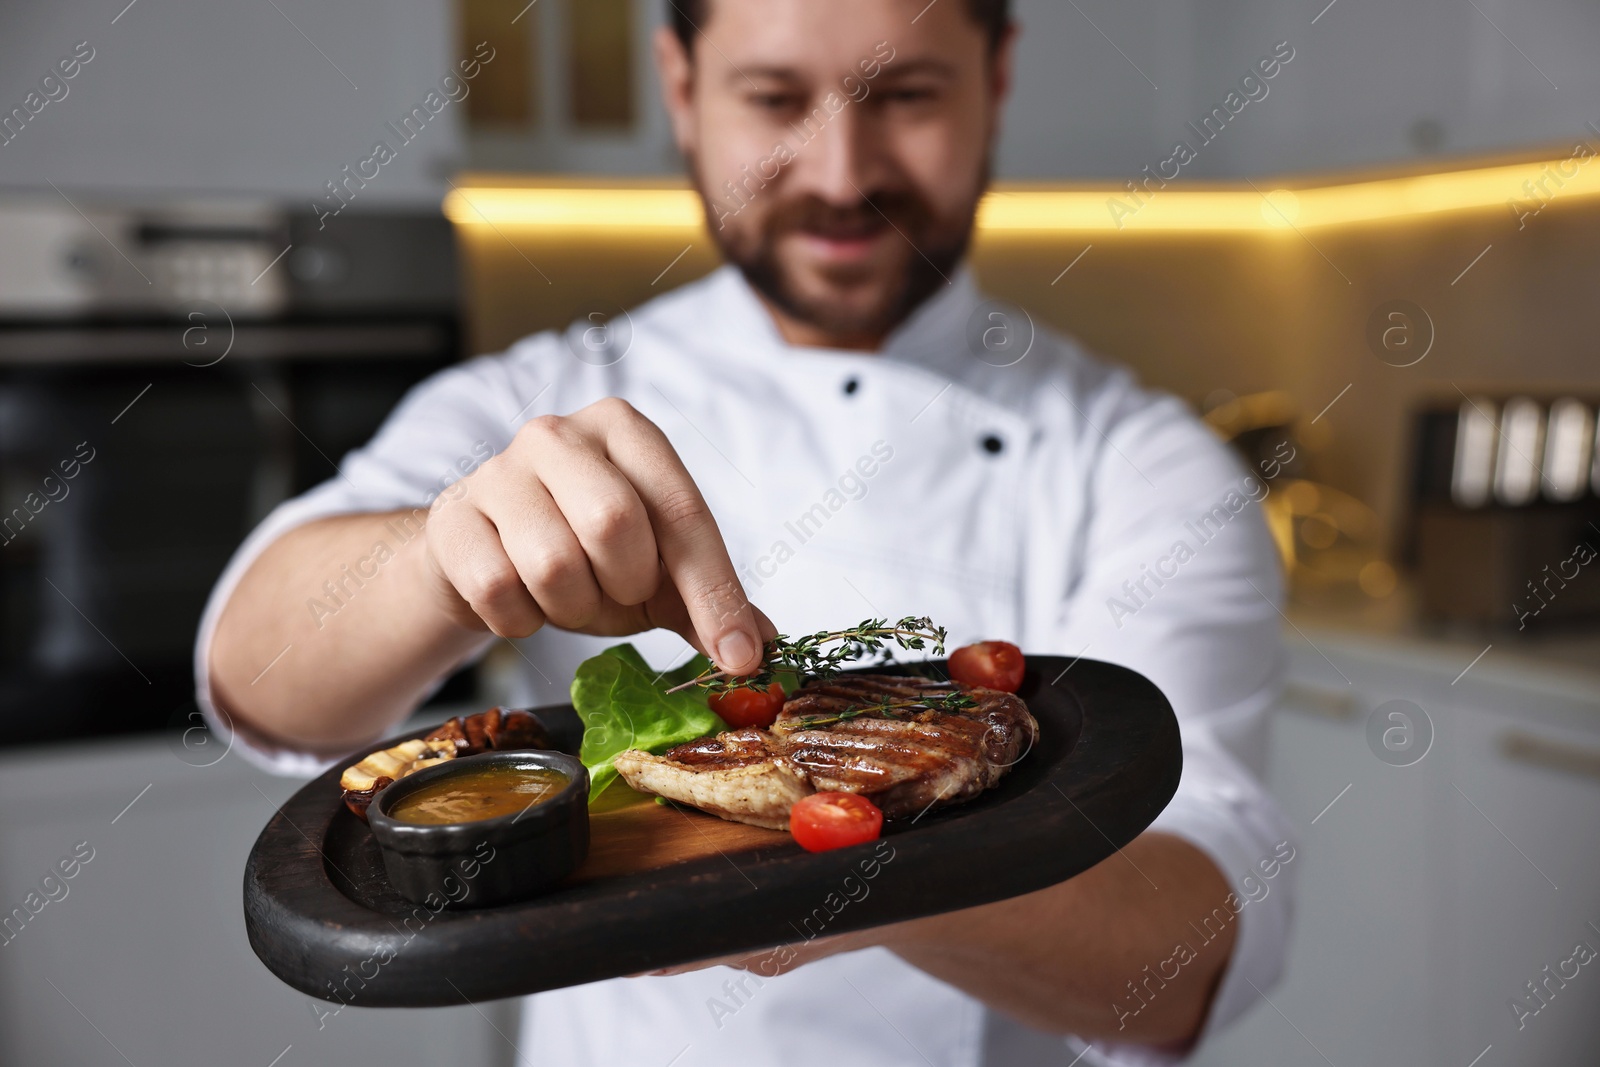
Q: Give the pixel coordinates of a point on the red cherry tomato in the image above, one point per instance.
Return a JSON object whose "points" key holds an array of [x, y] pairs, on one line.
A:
{"points": [[748, 707], [991, 664], [833, 820]]}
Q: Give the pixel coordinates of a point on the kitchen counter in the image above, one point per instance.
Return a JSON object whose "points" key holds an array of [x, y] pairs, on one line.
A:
{"points": [[1560, 662]]}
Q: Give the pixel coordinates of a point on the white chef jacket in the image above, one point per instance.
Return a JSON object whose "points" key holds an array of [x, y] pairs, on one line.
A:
{"points": [[1028, 502]]}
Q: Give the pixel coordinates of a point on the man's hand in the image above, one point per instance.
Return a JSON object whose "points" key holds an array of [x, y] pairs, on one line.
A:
{"points": [[590, 522], [1067, 959]]}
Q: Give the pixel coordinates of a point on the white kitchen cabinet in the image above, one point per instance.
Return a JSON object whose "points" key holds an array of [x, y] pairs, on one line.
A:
{"points": [[231, 98], [1522, 885], [144, 959], [1419, 914], [187, 96], [1369, 84], [1358, 986]]}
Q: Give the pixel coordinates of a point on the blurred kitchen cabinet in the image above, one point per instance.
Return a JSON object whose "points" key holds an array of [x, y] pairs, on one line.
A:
{"points": [[601, 58], [142, 956], [507, 91], [1359, 987], [1430, 78], [581, 84], [1522, 887], [1417, 920]]}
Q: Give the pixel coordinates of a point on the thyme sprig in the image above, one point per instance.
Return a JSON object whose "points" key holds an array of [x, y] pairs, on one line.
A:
{"points": [[826, 653]]}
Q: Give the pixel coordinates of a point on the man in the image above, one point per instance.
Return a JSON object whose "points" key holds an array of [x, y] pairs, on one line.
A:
{"points": [[803, 439]]}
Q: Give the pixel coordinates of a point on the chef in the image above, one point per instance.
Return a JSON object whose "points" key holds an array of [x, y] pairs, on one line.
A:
{"points": [[833, 426]]}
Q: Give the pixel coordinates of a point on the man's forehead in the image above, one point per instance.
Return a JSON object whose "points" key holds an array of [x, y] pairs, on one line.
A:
{"points": [[794, 35]]}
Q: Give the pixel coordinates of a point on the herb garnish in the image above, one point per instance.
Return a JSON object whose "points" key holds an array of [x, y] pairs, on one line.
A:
{"points": [[824, 654]]}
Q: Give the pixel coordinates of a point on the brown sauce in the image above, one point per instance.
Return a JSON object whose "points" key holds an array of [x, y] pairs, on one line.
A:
{"points": [[481, 793]]}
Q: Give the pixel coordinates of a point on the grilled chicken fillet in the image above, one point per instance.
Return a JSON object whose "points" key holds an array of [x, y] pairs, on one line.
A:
{"points": [[920, 758], [735, 774]]}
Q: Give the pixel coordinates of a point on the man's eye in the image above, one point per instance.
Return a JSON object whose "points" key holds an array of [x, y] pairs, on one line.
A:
{"points": [[909, 96], [775, 101]]}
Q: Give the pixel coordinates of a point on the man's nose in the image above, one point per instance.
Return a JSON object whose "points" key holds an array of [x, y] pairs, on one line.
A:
{"points": [[846, 160]]}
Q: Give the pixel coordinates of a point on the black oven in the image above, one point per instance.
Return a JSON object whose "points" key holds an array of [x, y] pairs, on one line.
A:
{"points": [[167, 375]]}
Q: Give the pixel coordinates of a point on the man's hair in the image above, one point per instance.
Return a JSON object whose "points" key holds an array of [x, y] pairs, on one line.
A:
{"points": [[689, 15]]}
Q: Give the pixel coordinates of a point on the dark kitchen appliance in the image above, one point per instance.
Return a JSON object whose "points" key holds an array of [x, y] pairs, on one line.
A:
{"points": [[167, 375], [1505, 512]]}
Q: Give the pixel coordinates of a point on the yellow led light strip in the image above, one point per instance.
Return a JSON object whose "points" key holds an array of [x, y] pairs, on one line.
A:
{"points": [[1019, 211], [628, 209]]}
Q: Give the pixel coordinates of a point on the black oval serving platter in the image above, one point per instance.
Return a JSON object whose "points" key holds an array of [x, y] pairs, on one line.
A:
{"points": [[664, 887]]}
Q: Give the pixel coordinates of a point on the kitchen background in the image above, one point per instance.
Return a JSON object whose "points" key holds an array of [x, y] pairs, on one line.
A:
{"points": [[1388, 260]]}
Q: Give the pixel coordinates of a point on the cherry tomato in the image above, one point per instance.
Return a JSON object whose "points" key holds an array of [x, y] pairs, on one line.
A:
{"points": [[833, 820], [991, 664], [748, 707]]}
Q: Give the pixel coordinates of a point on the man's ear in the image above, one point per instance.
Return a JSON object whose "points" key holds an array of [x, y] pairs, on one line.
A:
{"points": [[676, 69], [1000, 71]]}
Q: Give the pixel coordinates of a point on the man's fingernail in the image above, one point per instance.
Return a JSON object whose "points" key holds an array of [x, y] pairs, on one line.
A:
{"points": [[737, 649]]}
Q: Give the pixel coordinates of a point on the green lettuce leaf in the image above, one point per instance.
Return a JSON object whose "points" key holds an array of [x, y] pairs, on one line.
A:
{"points": [[624, 704]]}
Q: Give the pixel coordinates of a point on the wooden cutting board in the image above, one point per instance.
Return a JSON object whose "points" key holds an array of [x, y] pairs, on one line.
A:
{"points": [[634, 833], [663, 886]]}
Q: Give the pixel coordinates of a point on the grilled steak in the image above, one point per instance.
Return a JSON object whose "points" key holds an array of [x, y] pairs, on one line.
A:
{"points": [[906, 765], [835, 735]]}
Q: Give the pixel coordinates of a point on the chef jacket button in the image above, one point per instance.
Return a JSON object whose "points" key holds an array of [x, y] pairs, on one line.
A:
{"points": [[851, 385], [992, 444]]}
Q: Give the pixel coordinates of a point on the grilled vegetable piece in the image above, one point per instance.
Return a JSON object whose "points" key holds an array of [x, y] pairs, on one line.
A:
{"points": [[495, 730], [362, 781], [357, 800], [395, 763]]}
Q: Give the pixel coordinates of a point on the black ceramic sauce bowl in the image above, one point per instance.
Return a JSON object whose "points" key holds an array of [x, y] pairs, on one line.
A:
{"points": [[490, 861]]}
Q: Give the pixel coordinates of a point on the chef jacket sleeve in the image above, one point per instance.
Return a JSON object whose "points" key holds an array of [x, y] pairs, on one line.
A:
{"points": [[1180, 581], [441, 431]]}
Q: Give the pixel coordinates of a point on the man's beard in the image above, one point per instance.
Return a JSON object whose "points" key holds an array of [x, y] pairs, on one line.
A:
{"points": [[936, 247]]}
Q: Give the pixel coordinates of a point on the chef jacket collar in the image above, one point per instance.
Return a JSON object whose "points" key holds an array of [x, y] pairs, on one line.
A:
{"points": [[939, 344], [933, 337]]}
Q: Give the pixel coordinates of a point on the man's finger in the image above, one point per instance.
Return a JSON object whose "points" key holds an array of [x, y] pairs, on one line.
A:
{"points": [[548, 557], [688, 540], [604, 513], [469, 551], [666, 611]]}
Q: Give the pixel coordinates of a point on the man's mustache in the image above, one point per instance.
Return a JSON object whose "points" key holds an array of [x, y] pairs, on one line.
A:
{"points": [[810, 214]]}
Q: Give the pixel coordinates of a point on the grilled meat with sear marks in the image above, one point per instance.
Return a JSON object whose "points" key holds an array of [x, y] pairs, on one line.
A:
{"points": [[928, 757], [735, 774], [838, 735]]}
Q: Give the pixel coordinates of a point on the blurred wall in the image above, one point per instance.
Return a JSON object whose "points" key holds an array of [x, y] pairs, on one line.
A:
{"points": [[1369, 83], [188, 96], [1195, 314], [275, 98]]}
